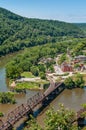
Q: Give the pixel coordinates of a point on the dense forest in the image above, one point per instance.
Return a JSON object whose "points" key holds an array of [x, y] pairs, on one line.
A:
{"points": [[32, 58], [17, 33], [20, 33], [40, 42], [82, 26]]}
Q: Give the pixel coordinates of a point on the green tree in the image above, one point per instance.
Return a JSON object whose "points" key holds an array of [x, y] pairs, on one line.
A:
{"points": [[79, 81], [51, 68], [34, 70], [42, 67], [61, 119], [7, 97], [33, 125], [13, 71], [69, 83], [57, 120], [76, 65], [62, 58], [42, 75], [1, 114], [25, 65]]}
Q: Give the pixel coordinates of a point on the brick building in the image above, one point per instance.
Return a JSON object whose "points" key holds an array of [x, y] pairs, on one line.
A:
{"points": [[65, 67]]}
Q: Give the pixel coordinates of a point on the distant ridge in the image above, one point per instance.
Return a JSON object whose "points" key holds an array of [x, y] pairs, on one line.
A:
{"points": [[82, 26], [18, 32]]}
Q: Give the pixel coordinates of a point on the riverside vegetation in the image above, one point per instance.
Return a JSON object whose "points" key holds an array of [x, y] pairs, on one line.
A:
{"points": [[40, 39], [18, 33], [75, 81], [54, 37], [7, 97], [62, 119], [31, 60]]}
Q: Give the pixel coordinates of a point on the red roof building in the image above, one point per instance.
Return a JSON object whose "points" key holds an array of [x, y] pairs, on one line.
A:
{"points": [[66, 67]]}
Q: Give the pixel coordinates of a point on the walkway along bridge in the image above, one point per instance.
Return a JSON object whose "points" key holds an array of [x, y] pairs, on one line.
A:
{"points": [[27, 108]]}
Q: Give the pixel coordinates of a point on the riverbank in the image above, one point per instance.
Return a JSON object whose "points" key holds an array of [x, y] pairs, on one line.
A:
{"points": [[7, 58]]}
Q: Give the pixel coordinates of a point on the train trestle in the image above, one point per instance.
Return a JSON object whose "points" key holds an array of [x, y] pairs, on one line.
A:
{"points": [[27, 108]]}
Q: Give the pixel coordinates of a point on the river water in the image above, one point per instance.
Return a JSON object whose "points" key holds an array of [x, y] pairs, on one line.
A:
{"points": [[3, 85], [72, 99], [20, 98]]}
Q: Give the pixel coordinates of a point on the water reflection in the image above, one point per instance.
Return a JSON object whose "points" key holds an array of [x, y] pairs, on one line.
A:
{"points": [[3, 85], [72, 99]]}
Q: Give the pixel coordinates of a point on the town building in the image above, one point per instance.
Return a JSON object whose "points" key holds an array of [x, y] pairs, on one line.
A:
{"points": [[65, 67], [80, 58]]}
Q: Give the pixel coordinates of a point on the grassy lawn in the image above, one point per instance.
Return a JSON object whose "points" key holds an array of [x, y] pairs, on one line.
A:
{"points": [[31, 85], [27, 75], [28, 85], [41, 81]]}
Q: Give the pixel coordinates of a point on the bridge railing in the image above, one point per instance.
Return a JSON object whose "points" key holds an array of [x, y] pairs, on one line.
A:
{"points": [[36, 99], [51, 89], [28, 107]]}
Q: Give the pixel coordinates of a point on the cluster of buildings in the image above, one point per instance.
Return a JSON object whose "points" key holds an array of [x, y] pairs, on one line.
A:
{"points": [[69, 67], [80, 58], [65, 67]]}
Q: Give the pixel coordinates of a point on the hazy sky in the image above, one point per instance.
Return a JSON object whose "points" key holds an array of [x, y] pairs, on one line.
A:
{"points": [[63, 10]]}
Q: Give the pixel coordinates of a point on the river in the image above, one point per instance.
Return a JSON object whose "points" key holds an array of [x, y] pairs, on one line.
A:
{"points": [[70, 98], [3, 85], [20, 98]]}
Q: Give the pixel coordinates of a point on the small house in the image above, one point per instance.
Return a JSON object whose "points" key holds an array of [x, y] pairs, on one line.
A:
{"points": [[80, 58]]}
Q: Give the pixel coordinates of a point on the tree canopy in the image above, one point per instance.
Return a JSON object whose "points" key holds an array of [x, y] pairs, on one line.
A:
{"points": [[17, 33], [56, 120]]}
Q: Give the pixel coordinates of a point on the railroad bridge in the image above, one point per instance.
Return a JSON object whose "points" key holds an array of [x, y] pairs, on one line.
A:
{"points": [[27, 108]]}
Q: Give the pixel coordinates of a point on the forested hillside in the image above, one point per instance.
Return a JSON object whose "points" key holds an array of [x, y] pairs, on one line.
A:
{"points": [[17, 33], [82, 26], [30, 59]]}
